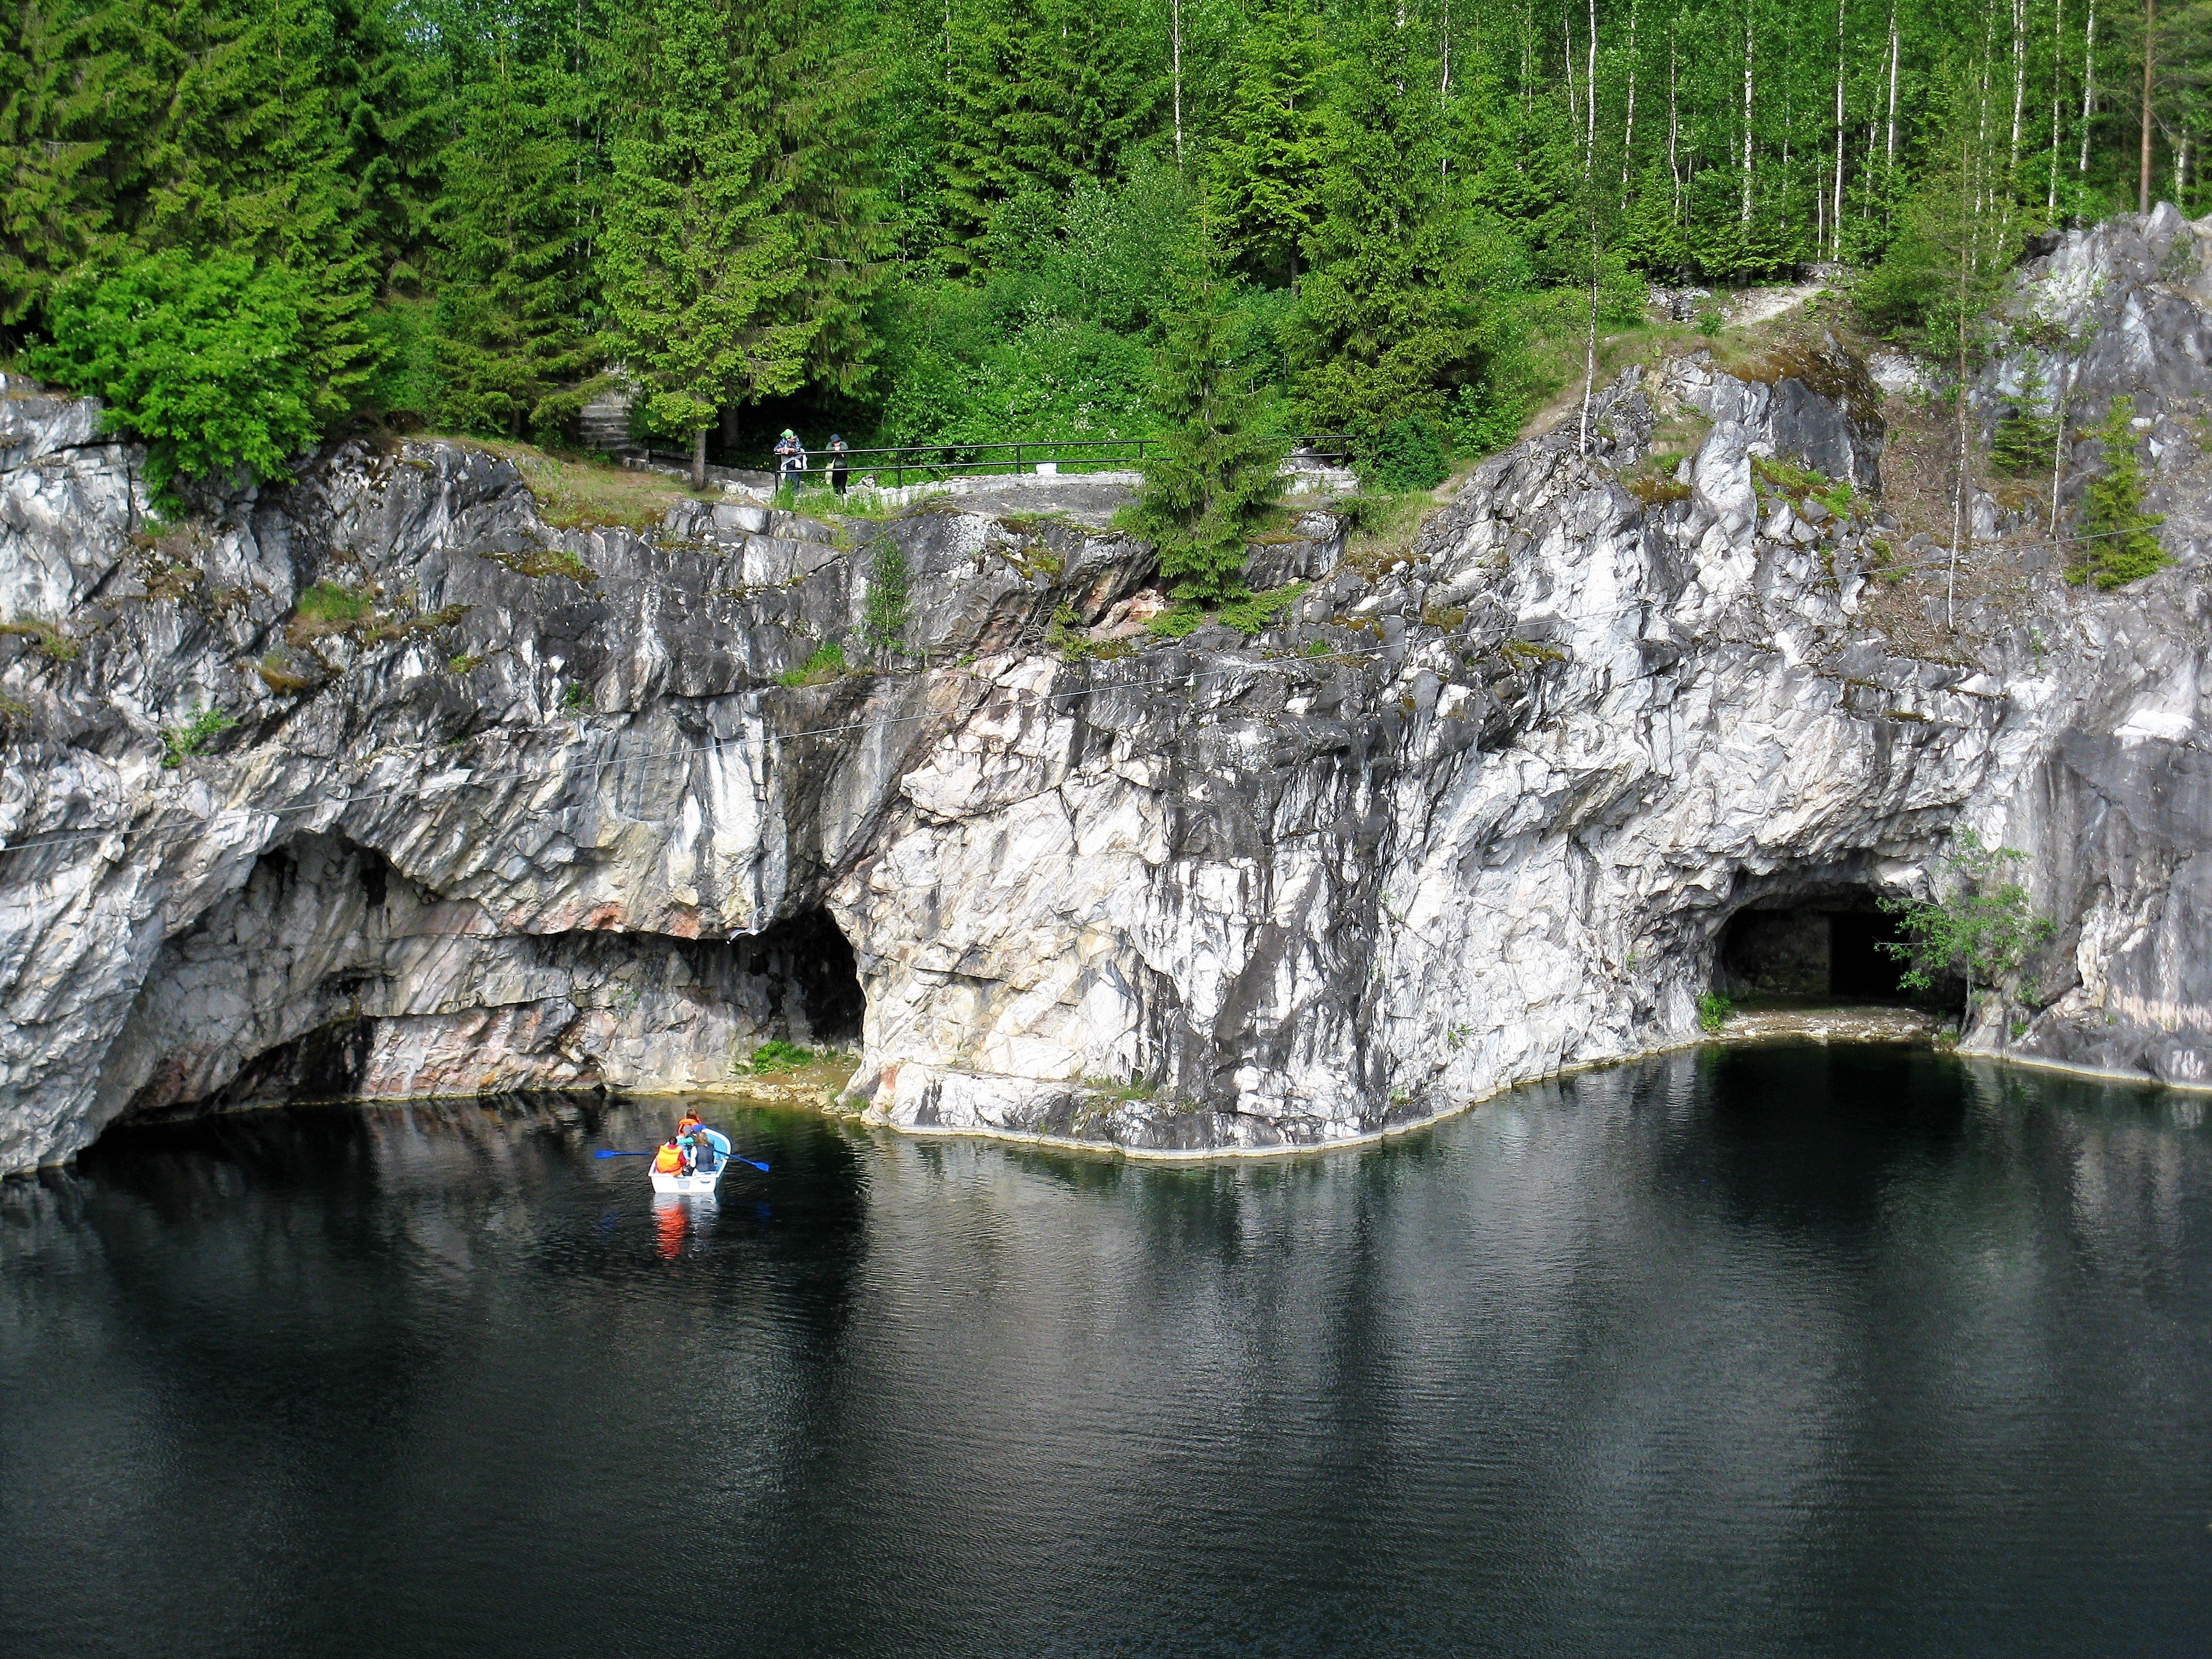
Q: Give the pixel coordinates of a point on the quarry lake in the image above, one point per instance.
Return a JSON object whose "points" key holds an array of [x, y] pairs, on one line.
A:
{"points": [[1783, 1350]]}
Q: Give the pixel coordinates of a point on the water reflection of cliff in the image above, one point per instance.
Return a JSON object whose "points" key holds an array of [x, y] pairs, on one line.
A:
{"points": [[1715, 1353]]}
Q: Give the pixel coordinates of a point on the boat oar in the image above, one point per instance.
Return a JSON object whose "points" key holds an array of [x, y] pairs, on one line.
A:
{"points": [[608, 1151]]}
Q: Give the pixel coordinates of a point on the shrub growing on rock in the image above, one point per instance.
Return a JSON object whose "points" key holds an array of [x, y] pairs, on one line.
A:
{"points": [[208, 360], [1216, 478], [2117, 546]]}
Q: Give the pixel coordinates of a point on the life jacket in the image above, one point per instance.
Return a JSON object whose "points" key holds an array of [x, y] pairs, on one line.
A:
{"points": [[668, 1161]]}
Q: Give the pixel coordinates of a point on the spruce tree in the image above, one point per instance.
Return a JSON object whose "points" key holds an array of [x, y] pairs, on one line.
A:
{"points": [[249, 157], [696, 259], [1385, 331], [2118, 547], [809, 95], [512, 347], [1216, 477], [1040, 92], [884, 613], [80, 86], [1264, 197]]}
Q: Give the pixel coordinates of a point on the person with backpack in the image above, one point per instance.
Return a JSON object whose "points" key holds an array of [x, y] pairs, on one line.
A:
{"points": [[839, 464]]}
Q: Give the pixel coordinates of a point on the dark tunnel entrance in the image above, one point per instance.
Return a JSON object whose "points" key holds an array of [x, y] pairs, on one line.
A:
{"points": [[810, 957], [1824, 950]]}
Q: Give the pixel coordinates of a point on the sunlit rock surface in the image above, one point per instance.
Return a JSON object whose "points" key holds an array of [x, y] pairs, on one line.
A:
{"points": [[508, 806]]}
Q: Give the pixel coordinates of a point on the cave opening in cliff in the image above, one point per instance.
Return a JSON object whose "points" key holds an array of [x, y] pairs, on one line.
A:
{"points": [[810, 955], [1826, 949]]}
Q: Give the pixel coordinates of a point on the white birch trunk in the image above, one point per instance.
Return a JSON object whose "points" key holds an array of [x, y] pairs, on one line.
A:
{"points": [[1589, 93], [1175, 30], [1443, 91], [1746, 213], [2089, 86], [2057, 97], [1836, 201], [1628, 122], [1889, 157], [1673, 109]]}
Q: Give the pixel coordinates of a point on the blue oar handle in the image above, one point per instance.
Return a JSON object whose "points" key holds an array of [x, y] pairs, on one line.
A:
{"points": [[608, 1151]]}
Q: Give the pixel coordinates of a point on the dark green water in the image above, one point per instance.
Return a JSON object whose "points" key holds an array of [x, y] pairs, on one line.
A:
{"points": [[1779, 1352]]}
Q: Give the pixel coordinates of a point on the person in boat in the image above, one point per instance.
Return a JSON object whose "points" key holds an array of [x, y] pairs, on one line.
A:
{"points": [[668, 1160], [704, 1159], [686, 1124]]}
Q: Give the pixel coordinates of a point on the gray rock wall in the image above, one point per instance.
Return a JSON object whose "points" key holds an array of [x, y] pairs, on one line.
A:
{"points": [[542, 813]]}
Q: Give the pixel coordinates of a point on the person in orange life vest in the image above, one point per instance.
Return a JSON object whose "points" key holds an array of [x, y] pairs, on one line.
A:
{"points": [[689, 1122], [668, 1160]]}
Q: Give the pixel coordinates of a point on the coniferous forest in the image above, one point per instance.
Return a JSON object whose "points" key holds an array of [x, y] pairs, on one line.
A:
{"points": [[926, 221]]}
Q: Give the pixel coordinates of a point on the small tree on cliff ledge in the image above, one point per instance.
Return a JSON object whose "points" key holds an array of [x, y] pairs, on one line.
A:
{"points": [[1982, 930], [1208, 490], [2117, 545]]}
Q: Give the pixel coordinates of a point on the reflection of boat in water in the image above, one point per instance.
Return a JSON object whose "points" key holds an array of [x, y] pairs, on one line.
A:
{"points": [[674, 1217], [701, 1185]]}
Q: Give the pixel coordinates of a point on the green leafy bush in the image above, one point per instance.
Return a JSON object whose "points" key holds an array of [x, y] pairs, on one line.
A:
{"points": [[884, 614], [1404, 455], [1713, 1011], [1983, 929], [207, 360]]}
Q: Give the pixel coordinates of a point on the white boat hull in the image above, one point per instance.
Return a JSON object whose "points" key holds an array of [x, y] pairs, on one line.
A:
{"points": [[694, 1186]]}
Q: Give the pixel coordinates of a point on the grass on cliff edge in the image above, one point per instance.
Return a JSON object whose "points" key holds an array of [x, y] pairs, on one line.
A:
{"points": [[577, 491]]}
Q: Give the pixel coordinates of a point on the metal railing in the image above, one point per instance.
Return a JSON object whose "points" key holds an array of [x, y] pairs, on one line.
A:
{"points": [[929, 463]]}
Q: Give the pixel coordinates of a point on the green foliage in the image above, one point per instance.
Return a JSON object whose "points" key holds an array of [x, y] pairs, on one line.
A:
{"points": [[1713, 1012], [327, 603], [1389, 324], [883, 612], [1179, 623], [511, 347], [180, 743], [476, 210], [2117, 545], [1404, 455], [207, 360], [697, 260], [1264, 199], [1216, 476], [1039, 93], [2026, 436], [53, 644], [1256, 613], [776, 1056], [1137, 1088], [826, 663], [1982, 930]]}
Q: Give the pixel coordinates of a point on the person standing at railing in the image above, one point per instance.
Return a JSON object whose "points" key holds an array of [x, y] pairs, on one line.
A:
{"points": [[790, 463], [840, 462]]}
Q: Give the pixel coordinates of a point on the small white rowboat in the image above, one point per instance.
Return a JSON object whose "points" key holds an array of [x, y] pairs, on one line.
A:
{"points": [[694, 1186]]}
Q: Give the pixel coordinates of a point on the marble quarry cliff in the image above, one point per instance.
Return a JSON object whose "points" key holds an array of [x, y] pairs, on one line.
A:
{"points": [[501, 807]]}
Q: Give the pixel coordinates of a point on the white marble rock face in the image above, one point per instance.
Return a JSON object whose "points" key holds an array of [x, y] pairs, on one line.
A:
{"points": [[1218, 894]]}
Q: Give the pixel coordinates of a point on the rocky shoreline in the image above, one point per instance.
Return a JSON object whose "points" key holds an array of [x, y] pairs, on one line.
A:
{"points": [[501, 806]]}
